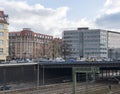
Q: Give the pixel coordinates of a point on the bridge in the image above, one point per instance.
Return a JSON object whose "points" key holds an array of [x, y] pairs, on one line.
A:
{"points": [[50, 64], [64, 64], [49, 70]]}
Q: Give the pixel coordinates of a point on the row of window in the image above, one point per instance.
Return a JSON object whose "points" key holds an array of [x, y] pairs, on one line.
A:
{"points": [[36, 36], [28, 37], [95, 48], [88, 53], [92, 32], [91, 40], [91, 36], [70, 33]]}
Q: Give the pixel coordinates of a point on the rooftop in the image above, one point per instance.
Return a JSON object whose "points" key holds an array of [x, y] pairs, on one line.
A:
{"points": [[3, 17]]}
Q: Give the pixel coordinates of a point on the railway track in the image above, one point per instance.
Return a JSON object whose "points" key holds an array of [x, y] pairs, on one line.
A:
{"points": [[63, 88]]}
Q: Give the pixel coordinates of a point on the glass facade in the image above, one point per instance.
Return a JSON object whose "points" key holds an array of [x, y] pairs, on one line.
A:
{"points": [[93, 43]]}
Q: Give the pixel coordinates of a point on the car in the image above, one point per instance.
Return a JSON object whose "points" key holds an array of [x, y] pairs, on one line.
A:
{"points": [[43, 60], [13, 61], [82, 59], [20, 61], [70, 60], [4, 62], [59, 59], [107, 59], [5, 87], [29, 61]]}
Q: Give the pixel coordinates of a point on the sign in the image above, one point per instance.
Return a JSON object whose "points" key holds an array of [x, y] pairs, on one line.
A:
{"points": [[86, 69]]}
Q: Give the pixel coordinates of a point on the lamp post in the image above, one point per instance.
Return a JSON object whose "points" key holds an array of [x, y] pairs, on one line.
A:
{"points": [[38, 75], [43, 75]]}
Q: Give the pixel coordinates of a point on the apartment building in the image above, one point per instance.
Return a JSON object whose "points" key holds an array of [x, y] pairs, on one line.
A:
{"points": [[3, 36], [93, 43], [28, 44]]}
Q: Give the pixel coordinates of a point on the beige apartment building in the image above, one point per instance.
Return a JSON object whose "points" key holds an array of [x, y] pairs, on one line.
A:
{"points": [[28, 44], [3, 36]]}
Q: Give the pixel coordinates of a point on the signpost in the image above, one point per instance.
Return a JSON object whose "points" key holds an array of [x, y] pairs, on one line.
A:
{"points": [[86, 70]]}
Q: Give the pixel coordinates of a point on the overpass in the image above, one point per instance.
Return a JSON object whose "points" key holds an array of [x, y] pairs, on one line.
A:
{"points": [[64, 64], [50, 70], [50, 64]]}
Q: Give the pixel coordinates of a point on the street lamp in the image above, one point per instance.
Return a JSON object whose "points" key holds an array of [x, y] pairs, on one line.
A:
{"points": [[43, 75], [38, 75]]}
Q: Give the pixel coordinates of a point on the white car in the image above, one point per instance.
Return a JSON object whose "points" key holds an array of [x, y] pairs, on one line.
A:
{"points": [[59, 59]]}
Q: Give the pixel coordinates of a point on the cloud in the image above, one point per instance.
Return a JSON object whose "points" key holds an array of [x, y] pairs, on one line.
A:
{"points": [[110, 16], [108, 3], [111, 21], [36, 17], [39, 18]]}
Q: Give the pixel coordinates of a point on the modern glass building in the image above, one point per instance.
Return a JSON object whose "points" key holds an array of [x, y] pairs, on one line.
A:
{"points": [[92, 43]]}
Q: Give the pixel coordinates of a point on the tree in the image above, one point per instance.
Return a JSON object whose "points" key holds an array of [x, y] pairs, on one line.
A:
{"points": [[66, 51], [56, 48]]}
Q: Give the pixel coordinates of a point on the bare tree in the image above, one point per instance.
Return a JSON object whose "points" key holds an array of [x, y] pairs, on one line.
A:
{"points": [[66, 51]]}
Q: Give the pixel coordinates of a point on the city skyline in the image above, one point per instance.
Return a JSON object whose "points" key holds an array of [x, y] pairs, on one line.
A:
{"points": [[52, 17]]}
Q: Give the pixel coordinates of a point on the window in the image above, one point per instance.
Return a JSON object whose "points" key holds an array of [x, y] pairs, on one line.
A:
{"points": [[1, 34], [1, 50], [1, 42], [1, 26]]}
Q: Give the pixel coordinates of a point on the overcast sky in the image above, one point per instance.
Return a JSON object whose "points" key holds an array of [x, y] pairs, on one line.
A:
{"points": [[54, 16]]}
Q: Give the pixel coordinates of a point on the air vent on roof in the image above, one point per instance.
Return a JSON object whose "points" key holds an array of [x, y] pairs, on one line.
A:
{"points": [[27, 29], [83, 28]]}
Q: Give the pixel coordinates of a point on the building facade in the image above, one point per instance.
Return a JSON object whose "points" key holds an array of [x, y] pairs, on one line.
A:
{"points": [[92, 43], [3, 36], [28, 44]]}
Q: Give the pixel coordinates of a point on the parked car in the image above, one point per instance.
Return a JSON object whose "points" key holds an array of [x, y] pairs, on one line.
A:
{"points": [[59, 59], [82, 59], [71, 60], [4, 62], [13, 61], [43, 60], [5, 87], [107, 59], [20, 61], [29, 61]]}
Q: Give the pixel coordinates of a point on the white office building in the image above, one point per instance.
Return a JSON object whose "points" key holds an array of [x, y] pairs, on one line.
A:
{"points": [[92, 43]]}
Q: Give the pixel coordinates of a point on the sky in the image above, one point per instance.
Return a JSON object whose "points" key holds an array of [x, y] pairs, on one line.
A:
{"points": [[52, 17]]}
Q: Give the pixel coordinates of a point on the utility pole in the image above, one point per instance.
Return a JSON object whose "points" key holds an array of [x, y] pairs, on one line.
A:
{"points": [[43, 75], [74, 80], [38, 75]]}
